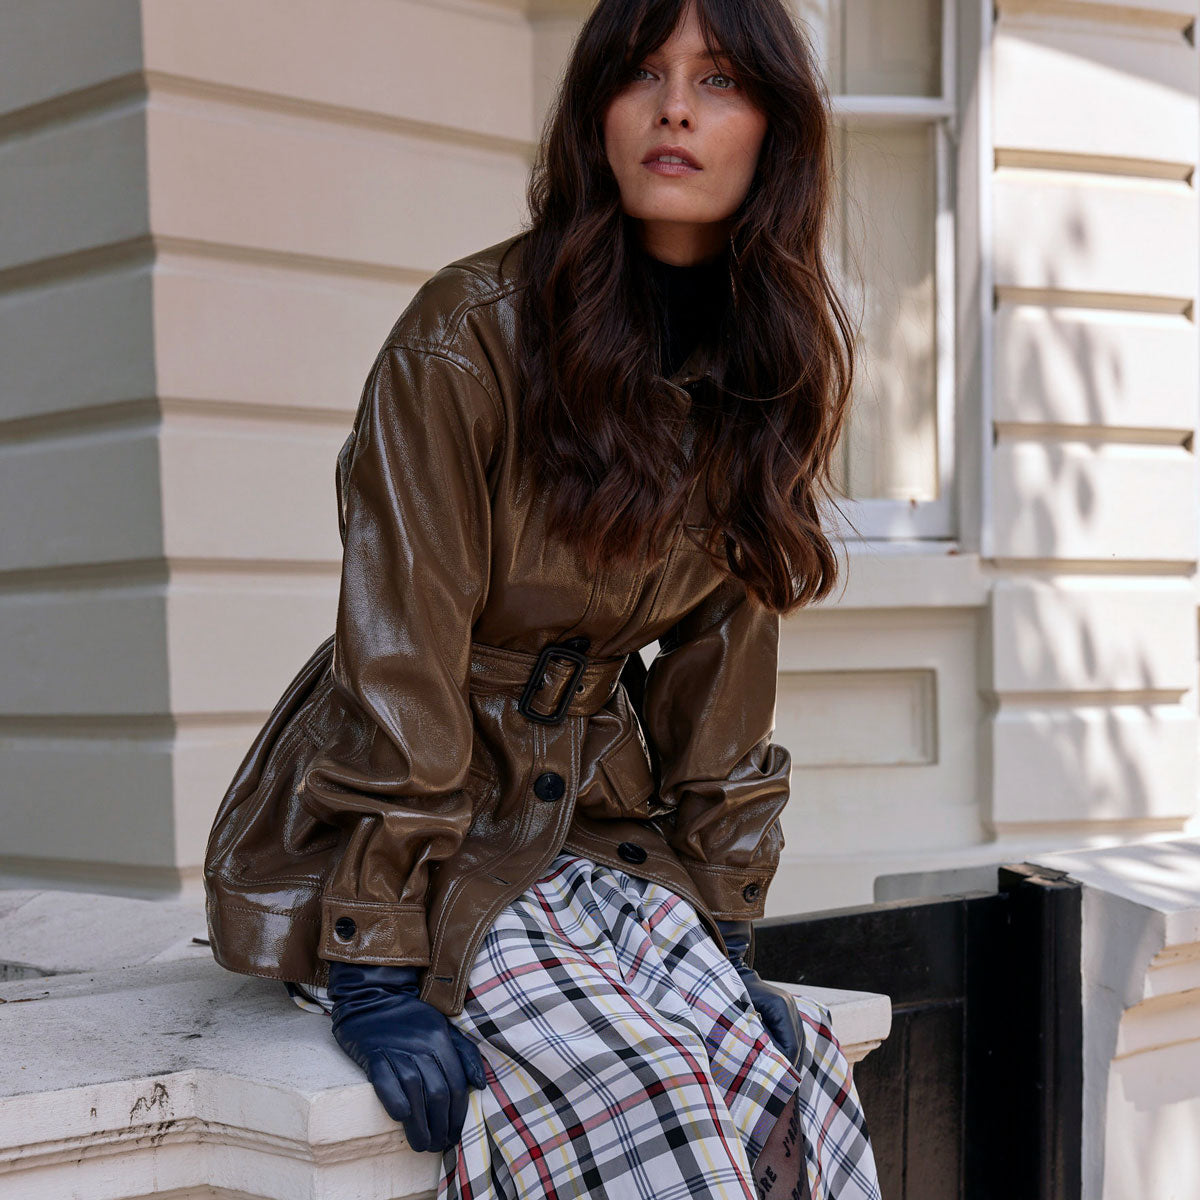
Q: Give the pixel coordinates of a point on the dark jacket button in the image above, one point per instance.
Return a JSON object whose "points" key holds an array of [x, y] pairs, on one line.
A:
{"points": [[549, 786], [750, 892], [631, 852], [345, 928], [582, 644]]}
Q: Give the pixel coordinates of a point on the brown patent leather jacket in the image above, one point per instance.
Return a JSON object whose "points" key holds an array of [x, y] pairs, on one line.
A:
{"points": [[403, 791]]}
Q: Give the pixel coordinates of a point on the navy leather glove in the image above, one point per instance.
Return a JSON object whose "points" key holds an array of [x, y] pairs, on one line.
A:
{"points": [[776, 1006], [420, 1065]]}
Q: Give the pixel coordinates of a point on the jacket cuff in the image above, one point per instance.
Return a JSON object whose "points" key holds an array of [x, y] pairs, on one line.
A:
{"points": [[731, 893], [394, 935]]}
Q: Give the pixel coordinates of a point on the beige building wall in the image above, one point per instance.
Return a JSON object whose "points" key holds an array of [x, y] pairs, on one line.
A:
{"points": [[213, 213], [1031, 683]]}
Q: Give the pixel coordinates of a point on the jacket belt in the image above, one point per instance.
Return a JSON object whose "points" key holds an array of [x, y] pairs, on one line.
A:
{"points": [[556, 683]]}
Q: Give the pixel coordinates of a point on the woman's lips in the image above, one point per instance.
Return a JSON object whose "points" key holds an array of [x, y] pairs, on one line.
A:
{"points": [[670, 168]]}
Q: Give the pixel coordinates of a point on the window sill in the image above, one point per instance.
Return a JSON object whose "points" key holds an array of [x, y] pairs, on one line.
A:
{"points": [[907, 574]]}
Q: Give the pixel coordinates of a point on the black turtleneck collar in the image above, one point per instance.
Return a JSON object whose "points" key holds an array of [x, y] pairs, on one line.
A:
{"points": [[690, 300]]}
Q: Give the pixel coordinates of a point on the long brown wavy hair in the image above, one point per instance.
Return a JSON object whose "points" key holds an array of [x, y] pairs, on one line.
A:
{"points": [[598, 418]]}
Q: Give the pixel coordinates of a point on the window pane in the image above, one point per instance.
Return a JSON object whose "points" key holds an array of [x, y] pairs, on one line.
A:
{"points": [[878, 47], [883, 251]]}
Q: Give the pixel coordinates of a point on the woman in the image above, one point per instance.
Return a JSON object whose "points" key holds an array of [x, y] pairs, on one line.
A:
{"points": [[521, 877]]}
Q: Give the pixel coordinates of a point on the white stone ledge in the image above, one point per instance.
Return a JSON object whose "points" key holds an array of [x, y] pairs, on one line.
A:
{"points": [[861, 1020], [176, 1077]]}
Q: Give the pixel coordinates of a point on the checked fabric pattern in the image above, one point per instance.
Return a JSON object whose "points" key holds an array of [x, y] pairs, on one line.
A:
{"points": [[624, 1059]]}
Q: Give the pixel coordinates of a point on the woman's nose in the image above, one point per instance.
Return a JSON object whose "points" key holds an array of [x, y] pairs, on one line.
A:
{"points": [[676, 107]]}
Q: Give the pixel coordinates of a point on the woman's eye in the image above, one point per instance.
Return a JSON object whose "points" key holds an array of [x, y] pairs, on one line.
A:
{"points": [[636, 70], [729, 83]]}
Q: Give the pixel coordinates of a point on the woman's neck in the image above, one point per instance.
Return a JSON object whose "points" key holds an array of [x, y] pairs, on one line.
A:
{"points": [[681, 244], [689, 301]]}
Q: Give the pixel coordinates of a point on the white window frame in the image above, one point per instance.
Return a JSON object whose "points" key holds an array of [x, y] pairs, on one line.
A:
{"points": [[928, 520]]}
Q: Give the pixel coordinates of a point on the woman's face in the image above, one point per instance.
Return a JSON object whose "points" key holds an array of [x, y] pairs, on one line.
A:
{"points": [[677, 98]]}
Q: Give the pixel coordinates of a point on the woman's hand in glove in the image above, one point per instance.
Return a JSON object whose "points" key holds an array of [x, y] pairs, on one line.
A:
{"points": [[775, 1006], [419, 1064]]}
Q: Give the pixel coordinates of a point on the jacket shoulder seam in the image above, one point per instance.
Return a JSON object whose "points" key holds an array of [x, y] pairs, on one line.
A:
{"points": [[440, 350], [468, 303]]}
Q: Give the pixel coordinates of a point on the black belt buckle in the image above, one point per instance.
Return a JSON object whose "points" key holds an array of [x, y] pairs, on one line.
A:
{"points": [[536, 680]]}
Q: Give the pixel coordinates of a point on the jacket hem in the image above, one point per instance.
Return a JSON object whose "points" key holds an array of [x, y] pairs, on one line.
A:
{"points": [[592, 846]]}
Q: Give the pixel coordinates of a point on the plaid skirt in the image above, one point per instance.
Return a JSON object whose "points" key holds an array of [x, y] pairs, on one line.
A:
{"points": [[624, 1058]]}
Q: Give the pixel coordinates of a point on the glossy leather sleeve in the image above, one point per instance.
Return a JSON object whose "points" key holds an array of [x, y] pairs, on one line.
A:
{"points": [[710, 714], [415, 520]]}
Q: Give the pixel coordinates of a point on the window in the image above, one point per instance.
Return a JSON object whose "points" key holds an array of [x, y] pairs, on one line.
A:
{"points": [[889, 64]]}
